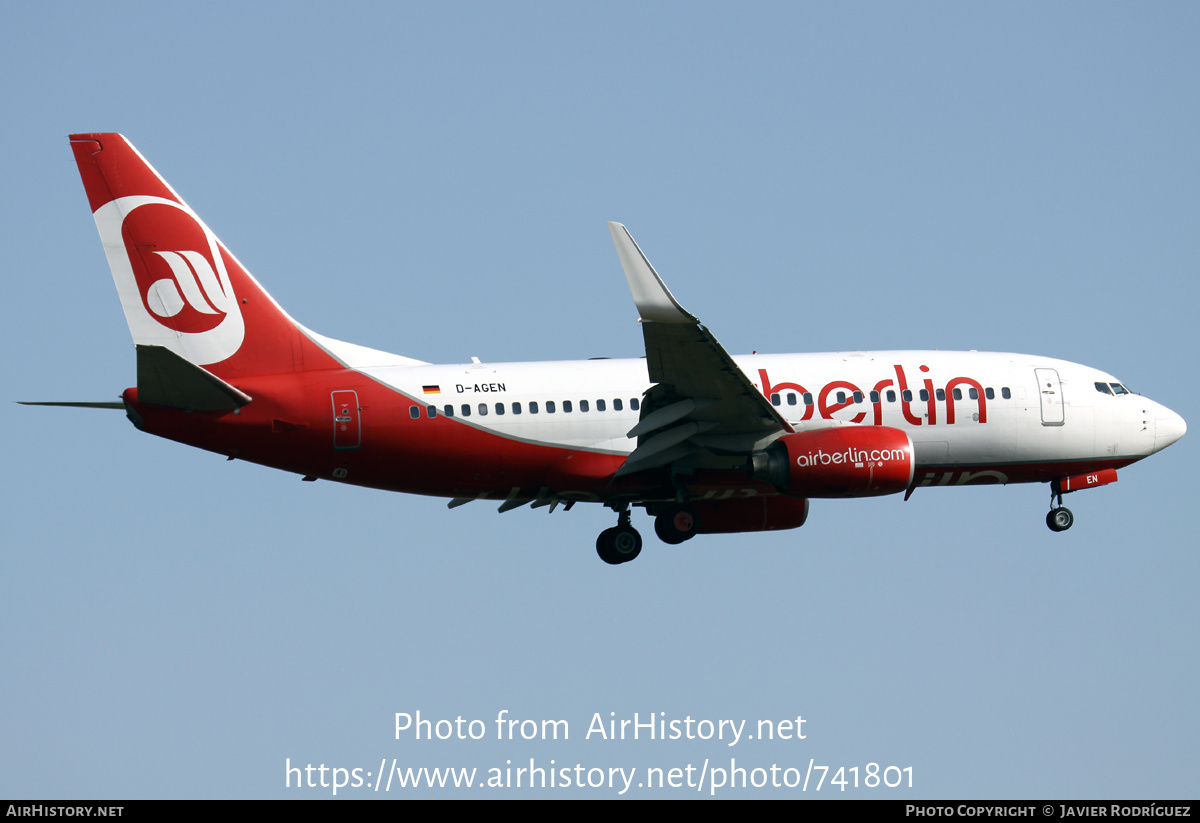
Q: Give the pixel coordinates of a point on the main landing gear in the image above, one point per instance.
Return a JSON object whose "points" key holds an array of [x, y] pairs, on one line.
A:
{"points": [[621, 543], [1059, 518], [676, 524]]}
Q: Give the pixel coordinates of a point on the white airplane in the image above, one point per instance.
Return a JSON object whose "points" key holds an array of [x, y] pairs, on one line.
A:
{"points": [[704, 442]]}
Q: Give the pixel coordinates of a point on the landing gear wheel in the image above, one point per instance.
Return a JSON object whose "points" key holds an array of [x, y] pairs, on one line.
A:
{"points": [[626, 543], [604, 547], [676, 524], [620, 544], [1060, 519]]}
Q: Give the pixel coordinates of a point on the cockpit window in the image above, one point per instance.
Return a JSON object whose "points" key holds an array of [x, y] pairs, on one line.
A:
{"points": [[1119, 389], [1103, 388]]}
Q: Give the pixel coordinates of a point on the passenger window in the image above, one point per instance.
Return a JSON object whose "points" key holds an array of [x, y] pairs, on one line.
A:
{"points": [[791, 398], [617, 406], [633, 403], [549, 407], [808, 398], [874, 397], [841, 397], [973, 393], [925, 394], [448, 410], [941, 394], [600, 405], [1005, 393], [516, 408], [566, 407], [466, 410], [858, 397], [533, 407], [431, 411], [958, 394], [414, 412], [908, 395], [891, 396], [583, 405], [775, 400], [989, 393], [483, 409]]}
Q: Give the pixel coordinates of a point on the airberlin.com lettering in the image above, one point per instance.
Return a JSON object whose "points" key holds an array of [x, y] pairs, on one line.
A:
{"points": [[710, 775]]}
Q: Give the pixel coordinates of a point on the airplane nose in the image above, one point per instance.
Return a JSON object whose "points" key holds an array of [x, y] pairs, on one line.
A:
{"points": [[1168, 427]]}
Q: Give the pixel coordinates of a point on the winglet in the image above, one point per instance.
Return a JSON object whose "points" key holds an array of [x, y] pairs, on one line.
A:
{"points": [[654, 300]]}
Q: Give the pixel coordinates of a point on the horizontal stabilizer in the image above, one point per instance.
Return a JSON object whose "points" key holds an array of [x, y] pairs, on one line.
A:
{"points": [[166, 379], [81, 405]]}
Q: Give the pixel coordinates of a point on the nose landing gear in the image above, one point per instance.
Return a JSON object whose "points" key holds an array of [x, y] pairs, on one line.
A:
{"points": [[1059, 518]]}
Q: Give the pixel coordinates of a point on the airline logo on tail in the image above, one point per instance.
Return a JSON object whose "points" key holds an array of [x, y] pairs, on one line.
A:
{"points": [[172, 278]]}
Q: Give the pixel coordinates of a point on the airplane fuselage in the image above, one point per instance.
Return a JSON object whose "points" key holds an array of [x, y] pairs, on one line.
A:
{"points": [[510, 430]]}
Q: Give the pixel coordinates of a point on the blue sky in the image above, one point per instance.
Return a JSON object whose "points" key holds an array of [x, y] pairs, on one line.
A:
{"points": [[433, 180]]}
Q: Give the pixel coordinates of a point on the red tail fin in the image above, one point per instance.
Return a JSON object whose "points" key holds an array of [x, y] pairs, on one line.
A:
{"points": [[180, 287]]}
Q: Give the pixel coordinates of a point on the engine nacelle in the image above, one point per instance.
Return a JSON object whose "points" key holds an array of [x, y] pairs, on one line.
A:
{"points": [[755, 514], [841, 461]]}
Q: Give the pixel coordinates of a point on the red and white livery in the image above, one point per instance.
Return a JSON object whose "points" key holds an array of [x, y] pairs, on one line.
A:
{"points": [[705, 442]]}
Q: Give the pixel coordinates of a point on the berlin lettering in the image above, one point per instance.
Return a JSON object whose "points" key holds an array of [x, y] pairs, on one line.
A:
{"points": [[848, 394]]}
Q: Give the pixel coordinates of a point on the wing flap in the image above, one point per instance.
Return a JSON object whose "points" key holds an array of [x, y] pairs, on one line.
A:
{"points": [[667, 415]]}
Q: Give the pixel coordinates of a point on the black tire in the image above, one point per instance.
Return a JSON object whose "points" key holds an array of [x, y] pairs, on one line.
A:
{"points": [[676, 524], [604, 547], [1060, 519], [617, 545]]}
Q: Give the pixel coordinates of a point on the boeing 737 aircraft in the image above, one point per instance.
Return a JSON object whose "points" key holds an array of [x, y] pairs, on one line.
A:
{"points": [[706, 443]]}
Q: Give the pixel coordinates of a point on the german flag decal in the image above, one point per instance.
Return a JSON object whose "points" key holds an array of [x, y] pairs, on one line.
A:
{"points": [[432, 389]]}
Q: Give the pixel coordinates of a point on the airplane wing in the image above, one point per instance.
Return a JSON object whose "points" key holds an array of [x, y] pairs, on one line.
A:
{"points": [[701, 401]]}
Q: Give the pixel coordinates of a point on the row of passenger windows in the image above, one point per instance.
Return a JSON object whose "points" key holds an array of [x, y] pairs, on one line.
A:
{"points": [[516, 407], [792, 398]]}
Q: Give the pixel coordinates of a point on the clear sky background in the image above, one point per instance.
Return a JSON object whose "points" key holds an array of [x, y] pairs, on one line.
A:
{"points": [[433, 180]]}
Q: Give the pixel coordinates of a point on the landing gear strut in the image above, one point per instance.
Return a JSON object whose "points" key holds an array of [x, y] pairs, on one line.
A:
{"points": [[1059, 518], [621, 543]]}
